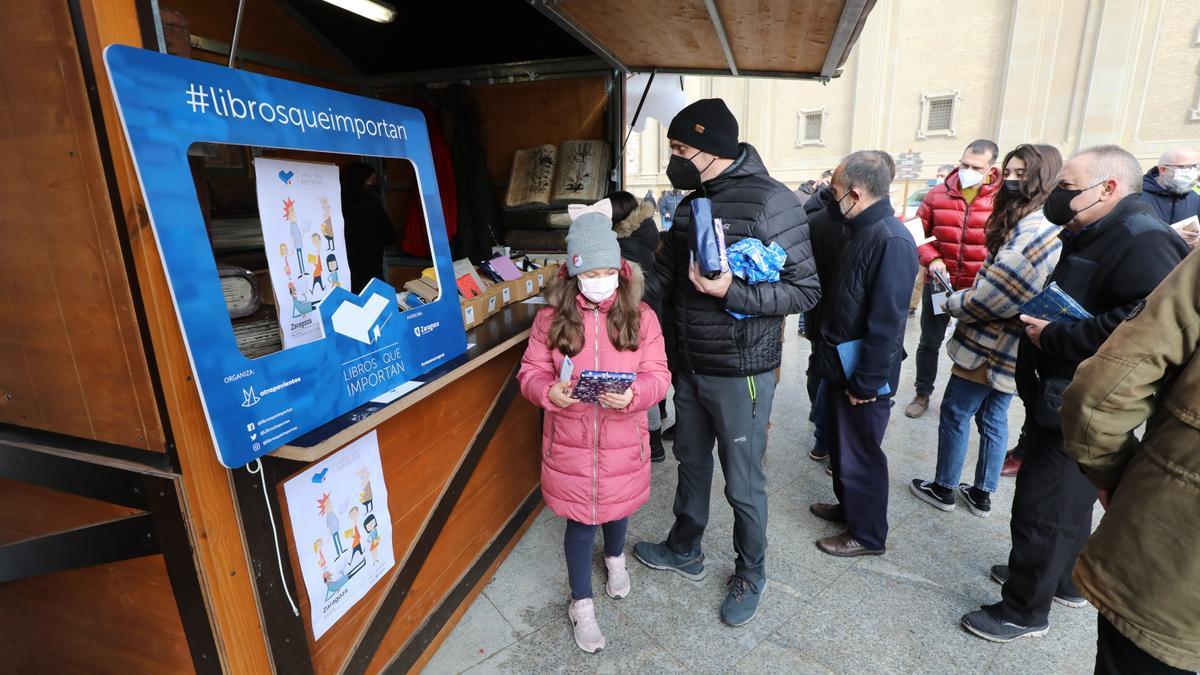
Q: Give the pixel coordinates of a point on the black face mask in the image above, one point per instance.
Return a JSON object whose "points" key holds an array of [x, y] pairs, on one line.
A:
{"points": [[1011, 185], [683, 174], [834, 206], [1058, 205]]}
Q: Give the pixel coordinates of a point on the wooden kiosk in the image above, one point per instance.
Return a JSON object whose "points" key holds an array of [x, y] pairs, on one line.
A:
{"points": [[125, 546]]}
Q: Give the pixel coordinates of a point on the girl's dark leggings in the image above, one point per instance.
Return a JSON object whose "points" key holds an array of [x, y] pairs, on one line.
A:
{"points": [[577, 545]]}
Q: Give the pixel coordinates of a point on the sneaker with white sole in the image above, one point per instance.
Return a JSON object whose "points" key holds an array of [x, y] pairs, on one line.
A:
{"points": [[978, 501], [618, 577], [982, 624], [587, 631], [1066, 597], [941, 498]]}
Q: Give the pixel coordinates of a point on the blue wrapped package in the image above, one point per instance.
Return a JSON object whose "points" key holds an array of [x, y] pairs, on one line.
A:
{"points": [[708, 239], [754, 262]]}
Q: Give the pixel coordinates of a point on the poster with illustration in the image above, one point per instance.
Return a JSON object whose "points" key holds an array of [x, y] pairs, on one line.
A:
{"points": [[343, 534], [300, 205]]}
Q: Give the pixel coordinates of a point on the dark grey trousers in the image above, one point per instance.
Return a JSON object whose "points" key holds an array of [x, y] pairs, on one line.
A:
{"points": [[933, 333], [732, 413]]}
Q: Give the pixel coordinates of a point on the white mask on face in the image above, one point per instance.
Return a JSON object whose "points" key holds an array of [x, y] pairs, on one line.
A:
{"points": [[969, 178], [1183, 180], [599, 290]]}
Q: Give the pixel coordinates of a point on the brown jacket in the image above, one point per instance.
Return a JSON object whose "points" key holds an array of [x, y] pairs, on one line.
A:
{"points": [[1141, 568]]}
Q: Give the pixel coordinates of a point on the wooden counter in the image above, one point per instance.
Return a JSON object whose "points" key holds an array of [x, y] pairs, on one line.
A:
{"points": [[461, 465]]}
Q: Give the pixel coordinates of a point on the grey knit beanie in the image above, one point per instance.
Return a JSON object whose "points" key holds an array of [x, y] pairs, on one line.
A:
{"points": [[592, 244]]}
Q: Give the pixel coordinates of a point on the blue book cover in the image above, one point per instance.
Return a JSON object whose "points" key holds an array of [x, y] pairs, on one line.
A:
{"points": [[592, 383], [848, 353], [1054, 304]]}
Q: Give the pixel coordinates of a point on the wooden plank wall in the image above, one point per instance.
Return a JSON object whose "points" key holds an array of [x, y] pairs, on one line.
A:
{"points": [[212, 517], [71, 354], [420, 450], [114, 618]]}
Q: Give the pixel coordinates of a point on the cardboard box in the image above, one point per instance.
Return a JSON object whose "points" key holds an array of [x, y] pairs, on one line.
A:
{"points": [[474, 311], [527, 285], [492, 300]]}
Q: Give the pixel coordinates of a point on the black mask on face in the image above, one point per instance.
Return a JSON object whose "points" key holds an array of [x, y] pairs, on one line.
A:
{"points": [[834, 206], [1011, 185], [683, 173], [1058, 205]]}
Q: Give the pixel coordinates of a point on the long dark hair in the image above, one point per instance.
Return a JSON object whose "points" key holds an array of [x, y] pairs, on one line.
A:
{"points": [[1042, 163], [624, 319]]}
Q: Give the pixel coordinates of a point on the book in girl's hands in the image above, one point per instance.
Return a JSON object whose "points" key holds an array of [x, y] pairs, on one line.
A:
{"points": [[1054, 304], [592, 383]]}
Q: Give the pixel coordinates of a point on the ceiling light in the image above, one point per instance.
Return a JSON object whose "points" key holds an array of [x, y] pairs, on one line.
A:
{"points": [[375, 10]]}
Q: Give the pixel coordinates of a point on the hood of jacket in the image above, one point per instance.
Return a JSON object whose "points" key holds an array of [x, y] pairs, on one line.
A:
{"points": [[748, 163], [634, 220]]}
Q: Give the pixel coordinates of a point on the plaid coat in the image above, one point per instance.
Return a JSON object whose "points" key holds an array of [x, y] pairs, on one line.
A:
{"points": [[988, 329]]}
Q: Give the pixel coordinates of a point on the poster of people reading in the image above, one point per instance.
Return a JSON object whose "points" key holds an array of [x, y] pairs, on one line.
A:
{"points": [[343, 534], [300, 205]]}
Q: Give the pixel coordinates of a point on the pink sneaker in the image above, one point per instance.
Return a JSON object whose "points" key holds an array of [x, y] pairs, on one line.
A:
{"points": [[587, 631], [618, 579]]}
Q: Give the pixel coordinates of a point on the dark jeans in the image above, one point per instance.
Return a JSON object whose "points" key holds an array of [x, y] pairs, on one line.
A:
{"points": [[721, 411], [933, 333], [1117, 655], [1051, 521], [577, 545], [816, 410], [860, 470]]}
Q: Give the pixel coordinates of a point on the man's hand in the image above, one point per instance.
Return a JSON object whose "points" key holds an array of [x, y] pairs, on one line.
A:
{"points": [[715, 287], [1105, 498], [617, 401], [1192, 239], [938, 265], [1033, 328], [560, 395], [859, 401]]}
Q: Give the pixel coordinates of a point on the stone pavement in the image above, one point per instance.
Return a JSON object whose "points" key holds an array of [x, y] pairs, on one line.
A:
{"points": [[893, 613]]}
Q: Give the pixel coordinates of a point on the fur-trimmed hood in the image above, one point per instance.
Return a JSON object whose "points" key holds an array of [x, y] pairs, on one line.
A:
{"points": [[634, 220]]}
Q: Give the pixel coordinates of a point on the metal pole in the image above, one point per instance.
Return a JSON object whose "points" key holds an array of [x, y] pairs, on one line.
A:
{"points": [[237, 29]]}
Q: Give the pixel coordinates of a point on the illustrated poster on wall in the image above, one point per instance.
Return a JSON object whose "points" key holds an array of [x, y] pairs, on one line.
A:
{"points": [[300, 206], [341, 528], [370, 347]]}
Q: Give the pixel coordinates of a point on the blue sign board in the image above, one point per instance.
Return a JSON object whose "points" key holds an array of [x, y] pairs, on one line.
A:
{"points": [[253, 406]]}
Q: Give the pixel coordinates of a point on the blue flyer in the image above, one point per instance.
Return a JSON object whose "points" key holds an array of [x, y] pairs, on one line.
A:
{"points": [[368, 345]]}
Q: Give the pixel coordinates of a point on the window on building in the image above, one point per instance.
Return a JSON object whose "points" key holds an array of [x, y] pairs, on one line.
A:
{"points": [[938, 113], [810, 127]]}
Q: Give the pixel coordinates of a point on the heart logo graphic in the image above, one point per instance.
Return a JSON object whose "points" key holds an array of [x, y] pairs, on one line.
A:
{"points": [[286, 177], [320, 476], [356, 322]]}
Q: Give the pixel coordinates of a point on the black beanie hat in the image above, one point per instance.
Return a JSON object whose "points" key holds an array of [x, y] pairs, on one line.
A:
{"points": [[707, 125]]}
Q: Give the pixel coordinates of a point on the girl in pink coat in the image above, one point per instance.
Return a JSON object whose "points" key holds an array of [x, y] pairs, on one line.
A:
{"points": [[595, 457]]}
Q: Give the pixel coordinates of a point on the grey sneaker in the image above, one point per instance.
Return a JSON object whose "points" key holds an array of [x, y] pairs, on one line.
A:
{"points": [[741, 602], [661, 557], [988, 627], [1067, 598]]}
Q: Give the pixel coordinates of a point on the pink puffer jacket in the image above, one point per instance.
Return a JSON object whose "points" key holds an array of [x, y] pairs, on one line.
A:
{"points": [[596, 461]]}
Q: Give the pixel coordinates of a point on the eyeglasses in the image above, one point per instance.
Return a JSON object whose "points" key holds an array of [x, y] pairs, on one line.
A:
{"points": [[1185, 167]]}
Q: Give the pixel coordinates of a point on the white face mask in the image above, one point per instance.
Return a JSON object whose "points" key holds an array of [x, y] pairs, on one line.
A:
{"points": [[1182, 180], [969, 178], [600, 289]]}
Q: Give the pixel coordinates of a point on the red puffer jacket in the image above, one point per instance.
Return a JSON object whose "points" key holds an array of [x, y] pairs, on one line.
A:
{"points": [[958, 226]]}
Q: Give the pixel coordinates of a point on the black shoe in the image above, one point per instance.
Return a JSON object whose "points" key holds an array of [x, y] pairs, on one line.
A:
{"points": [[1067, 597], [657, 452], [818, 454], [978, 501], [668, 434], [931, 493]]}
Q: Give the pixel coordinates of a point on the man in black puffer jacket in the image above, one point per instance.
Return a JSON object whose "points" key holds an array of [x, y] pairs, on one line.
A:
{"points": [[724, 384], [866, 304]]}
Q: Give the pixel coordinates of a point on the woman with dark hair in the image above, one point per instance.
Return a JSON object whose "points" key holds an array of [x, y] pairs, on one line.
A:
{"points": [[1023, 248], [637, 235], [368, 228]]}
